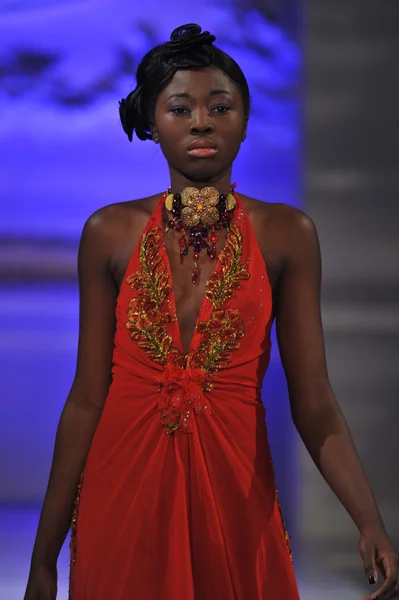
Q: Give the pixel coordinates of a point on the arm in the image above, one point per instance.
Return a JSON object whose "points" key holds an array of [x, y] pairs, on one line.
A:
{"points": [[85, 401], [315, 411]]}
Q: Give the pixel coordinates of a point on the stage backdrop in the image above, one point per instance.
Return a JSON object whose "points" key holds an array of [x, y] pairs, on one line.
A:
{"points": [[63, 67]]}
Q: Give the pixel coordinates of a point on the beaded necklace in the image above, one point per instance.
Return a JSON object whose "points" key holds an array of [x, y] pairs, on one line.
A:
{"points": [[194, 213]]}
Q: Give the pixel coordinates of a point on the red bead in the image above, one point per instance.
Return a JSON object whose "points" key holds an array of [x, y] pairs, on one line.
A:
{"points": [[213, 238], [196, 255], [194, 276], [183, 241], [212, 255]]}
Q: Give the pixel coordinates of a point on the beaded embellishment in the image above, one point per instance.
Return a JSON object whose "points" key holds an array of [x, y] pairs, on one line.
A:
{"points": [[185, 378], [146, 321], [72, 543], [194, 212], [181, 394], [287, 537], [224, 329]]}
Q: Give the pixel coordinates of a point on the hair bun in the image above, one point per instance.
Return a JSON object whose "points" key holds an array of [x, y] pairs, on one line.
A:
{"points": [[189, 46], [125, 118], [191, 34]]}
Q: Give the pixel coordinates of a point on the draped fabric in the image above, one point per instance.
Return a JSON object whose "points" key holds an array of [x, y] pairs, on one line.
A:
{"points": [[178, 498]]}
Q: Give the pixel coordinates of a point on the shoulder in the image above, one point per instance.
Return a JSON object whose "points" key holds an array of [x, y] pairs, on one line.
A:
{"points": [[118, 215], [111, 233], [111, 223], [292, 226], [278, 213], [286, 235]]}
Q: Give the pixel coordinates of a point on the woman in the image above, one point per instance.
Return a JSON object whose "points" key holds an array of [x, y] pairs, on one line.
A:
{"points": [[164, 418]]}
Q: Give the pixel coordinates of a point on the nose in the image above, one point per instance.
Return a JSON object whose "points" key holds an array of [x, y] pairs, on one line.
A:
{"points": [[201, 122]]}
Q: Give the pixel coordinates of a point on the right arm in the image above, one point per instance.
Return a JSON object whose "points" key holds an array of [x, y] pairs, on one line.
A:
{"points": [[83, 406]]}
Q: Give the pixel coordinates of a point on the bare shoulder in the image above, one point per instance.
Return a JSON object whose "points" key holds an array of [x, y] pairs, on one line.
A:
{"points": [[283, 233], [115, 221], [278, 214], [112, 232], [286, 225]]}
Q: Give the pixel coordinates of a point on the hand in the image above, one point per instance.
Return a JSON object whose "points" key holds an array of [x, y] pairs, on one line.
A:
{"points": [[376, 550], [42, 584]]}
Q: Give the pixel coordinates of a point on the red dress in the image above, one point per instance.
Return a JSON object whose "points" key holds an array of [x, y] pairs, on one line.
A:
{"points": [[178, 498]]}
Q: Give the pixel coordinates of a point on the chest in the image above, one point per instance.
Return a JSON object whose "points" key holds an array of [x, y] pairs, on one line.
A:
{"points": [[188, 298], [187, 294]]}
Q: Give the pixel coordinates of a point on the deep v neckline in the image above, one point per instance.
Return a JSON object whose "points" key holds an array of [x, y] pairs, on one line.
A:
{"points": [[204, 300]]}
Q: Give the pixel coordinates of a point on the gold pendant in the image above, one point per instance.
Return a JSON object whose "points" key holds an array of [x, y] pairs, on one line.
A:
{"points": [[200, 205], [230, 202], [169, 202]]}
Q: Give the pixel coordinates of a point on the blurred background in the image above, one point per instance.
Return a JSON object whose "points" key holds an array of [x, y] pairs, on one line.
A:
{"points": [[322, 137], [351, 176]]}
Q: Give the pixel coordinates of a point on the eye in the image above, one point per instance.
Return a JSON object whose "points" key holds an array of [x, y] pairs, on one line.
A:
{"points": [[179, 110], [222, 109]]}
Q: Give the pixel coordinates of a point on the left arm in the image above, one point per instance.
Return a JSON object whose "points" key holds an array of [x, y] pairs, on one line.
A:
{"points": [[315, 410]]}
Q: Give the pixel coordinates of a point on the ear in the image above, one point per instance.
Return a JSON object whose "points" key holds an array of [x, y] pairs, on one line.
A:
{"points": [[154, 133], [244, 133]]}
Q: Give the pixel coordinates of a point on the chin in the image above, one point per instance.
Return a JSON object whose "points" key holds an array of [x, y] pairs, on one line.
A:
{"points": [[204, 171]]}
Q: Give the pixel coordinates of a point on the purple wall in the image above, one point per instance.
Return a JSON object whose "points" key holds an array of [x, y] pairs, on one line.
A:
{"points": [[63, 68]]}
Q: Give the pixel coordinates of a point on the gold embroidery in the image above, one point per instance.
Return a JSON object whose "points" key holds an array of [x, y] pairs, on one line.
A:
{"points": [[72, 543], [146, 321], [221, 335], [221, 285], [286, 534], [288, 542], [185, 377], [224, 329]]}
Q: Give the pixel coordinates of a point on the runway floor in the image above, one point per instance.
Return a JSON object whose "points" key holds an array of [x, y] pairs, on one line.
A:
{"points": [[17, 530]]}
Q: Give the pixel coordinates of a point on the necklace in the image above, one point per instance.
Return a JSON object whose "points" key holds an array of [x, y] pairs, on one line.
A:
{"points": [[194, 213]]}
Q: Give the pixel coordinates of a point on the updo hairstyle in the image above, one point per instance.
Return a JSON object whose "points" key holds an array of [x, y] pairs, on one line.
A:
{"points": [[188, 49]]}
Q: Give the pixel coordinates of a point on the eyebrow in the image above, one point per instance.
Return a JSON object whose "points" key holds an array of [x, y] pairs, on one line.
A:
{"points": [[211, 93]]}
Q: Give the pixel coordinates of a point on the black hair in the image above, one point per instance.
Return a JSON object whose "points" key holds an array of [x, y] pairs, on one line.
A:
{"points": [[188, 49]]}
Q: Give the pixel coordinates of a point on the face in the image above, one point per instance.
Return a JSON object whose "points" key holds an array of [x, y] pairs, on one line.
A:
{"points": [[200, 123]]}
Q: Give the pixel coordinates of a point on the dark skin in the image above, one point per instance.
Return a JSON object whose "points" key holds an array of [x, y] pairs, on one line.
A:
{"points": [[289, 244]]}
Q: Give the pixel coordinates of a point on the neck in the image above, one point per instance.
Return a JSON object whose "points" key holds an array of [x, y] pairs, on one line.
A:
{"points": [[178, 181]]}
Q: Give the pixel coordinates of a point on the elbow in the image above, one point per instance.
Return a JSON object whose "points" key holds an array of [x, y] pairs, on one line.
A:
{"points": [[80, 397], [315, 410]]}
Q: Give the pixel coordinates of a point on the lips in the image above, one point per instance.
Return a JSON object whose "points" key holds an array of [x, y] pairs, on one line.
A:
{"points": [[202, 144], [202, 149]]}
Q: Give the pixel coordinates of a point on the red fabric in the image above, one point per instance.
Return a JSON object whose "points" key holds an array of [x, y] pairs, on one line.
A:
{"points": [[193, 514]]}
